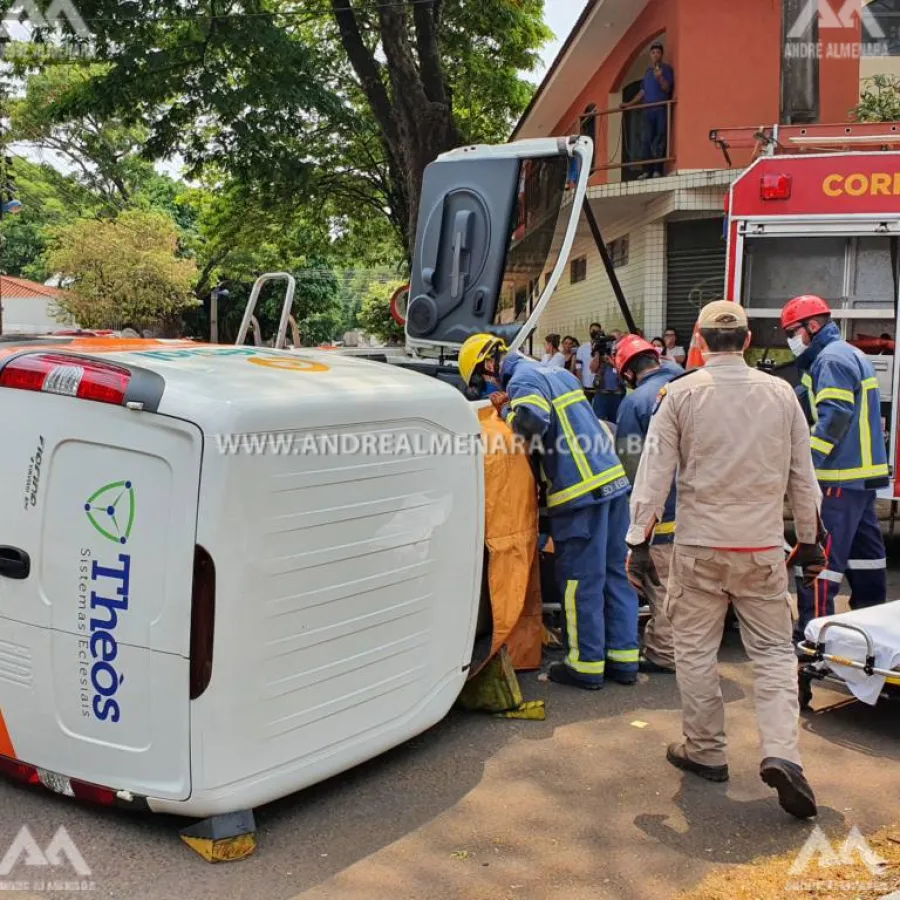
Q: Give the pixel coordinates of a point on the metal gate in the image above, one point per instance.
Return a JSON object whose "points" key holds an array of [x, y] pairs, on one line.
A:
{"points": [[695, 262]]}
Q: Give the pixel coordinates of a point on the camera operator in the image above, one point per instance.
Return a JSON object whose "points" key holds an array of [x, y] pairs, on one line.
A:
{"points": [[608, 387]]}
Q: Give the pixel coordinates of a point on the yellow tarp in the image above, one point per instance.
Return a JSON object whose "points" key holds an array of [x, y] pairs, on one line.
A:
{"points": [[511, 538]]}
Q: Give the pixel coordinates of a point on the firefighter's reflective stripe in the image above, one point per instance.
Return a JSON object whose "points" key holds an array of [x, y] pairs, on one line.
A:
{"points": [[828, 575], [589, 480], [835, 394], [865, 431], [510, 417], [534, 399], [807, 382], [560, 404], [852, 474], [665, 528], [574, 658], [820, 445], [866, 564], [623, 656], [585, 487]]}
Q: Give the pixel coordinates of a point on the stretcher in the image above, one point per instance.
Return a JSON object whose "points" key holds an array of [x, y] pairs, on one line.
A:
{"points": [[857, 652]]}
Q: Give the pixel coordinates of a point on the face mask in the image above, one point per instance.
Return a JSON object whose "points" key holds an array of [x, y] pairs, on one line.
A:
{"points": [[796, 344]]}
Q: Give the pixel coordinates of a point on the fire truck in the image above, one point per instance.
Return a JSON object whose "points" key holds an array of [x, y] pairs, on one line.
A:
{"points": [[818, 212]]}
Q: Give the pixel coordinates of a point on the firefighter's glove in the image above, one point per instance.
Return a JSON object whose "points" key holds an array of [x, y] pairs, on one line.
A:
{"points": [[499, 399], [640, 568], [811, 559]]}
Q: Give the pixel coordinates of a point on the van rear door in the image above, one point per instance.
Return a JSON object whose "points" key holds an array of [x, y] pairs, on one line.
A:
{"points": [[99, 503]]}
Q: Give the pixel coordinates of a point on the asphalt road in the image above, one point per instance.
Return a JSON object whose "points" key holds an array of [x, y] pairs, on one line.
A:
{"points": [[581, 806]]}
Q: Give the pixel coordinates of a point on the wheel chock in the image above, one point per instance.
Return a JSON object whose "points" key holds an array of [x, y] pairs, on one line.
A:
{"points": [[223, 838]]}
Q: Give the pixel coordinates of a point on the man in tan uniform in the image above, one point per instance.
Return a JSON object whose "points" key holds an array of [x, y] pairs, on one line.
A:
{"points": [[739, 441]]}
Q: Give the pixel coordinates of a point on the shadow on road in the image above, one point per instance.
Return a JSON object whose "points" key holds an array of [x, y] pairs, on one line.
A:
{"points": [[705, 806], [871, 730]]}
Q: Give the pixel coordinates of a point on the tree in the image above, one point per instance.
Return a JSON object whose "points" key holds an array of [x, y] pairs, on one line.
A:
{"points": [[103, 152], [338, 104], [375, 316], [49, 200], [880, 100], [124, 270]]}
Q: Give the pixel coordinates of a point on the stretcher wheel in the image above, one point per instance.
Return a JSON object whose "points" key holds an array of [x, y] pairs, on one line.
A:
{"points": [[804, 691]]}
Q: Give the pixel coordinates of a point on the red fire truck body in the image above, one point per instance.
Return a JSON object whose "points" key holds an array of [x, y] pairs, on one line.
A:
{"points": [[827, 224]]}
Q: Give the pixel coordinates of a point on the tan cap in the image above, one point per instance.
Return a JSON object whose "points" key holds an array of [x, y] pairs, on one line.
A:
{"points": [[722, 314]]}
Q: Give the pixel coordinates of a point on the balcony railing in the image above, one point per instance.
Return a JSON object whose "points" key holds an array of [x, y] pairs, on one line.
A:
{"points": [[598, 124]]}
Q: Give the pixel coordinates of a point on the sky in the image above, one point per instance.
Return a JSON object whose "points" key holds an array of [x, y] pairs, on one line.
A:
{"points": [[561, 16]]}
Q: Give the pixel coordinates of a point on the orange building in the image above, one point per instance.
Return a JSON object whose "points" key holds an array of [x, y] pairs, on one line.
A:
{"points": [[755, 62]]}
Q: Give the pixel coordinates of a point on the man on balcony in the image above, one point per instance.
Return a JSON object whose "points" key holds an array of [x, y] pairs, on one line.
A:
{"points": [[657, 87]]}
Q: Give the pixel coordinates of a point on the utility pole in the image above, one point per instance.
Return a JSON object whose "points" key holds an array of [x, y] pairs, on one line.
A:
{"points": [[218, 291]]}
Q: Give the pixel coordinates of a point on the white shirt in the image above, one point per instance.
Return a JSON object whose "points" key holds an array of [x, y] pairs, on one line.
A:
{"points": [[583, 355], [674, 353], [557, 361]]}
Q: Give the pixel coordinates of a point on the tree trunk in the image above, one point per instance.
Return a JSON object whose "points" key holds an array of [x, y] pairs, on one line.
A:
{"points": [[411, 104]]}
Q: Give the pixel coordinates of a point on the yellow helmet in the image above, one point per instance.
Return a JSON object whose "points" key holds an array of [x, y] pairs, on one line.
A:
{"points": [[475, 351]]}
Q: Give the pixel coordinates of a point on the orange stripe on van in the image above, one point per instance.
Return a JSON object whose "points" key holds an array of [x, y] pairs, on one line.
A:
{"points": [[6, 746]]}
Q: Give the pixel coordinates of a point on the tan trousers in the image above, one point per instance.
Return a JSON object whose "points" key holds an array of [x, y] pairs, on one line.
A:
{"points": [[701, 584], [659, 640]]}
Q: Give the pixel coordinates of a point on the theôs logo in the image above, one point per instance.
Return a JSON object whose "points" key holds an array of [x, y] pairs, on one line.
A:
{"points": [[111, 512]]}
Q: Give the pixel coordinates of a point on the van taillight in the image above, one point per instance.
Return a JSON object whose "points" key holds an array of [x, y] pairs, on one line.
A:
{"points": [[203, 609], [70, 376], [18, 771]]}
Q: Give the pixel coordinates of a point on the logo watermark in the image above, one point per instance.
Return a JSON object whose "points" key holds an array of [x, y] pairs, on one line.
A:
{"points": [[845, 18], [854, 853], [61, 856], [422, 444], [59, 16]]}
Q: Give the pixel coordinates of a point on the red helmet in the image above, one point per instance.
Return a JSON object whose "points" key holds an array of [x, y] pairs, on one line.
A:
{"points": [[802, 308], [628, 348]]}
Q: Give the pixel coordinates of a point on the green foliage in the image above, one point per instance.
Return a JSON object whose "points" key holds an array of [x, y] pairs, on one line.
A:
{"points": [[123, 270], [103, 151], [487, 46], [49, 199], [879, 100], [264, 94], [375, 316]]}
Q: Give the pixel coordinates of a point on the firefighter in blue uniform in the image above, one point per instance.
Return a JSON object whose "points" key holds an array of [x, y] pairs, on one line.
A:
{"points": [[840, 391], [587, 506], [638, 363]]}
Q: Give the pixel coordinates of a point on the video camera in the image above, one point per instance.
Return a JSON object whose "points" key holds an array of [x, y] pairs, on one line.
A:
{"points": [[603, 345]]}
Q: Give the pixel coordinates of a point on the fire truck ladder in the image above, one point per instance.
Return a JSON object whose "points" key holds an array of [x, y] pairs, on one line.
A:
{"points": [[772, 140]]}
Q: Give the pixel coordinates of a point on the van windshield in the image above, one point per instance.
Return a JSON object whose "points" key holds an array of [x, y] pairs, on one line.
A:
{"points": [[539, 226]]}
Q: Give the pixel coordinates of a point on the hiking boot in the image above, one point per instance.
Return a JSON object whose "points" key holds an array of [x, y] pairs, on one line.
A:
{"points": [[560, 673], [677, 756], [648, 665], [794, 793], [621, 677]]}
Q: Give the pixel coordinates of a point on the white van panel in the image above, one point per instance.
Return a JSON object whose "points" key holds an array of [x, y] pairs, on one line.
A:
{"points": [[48, 712], [350, 604], [104, 616]]}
